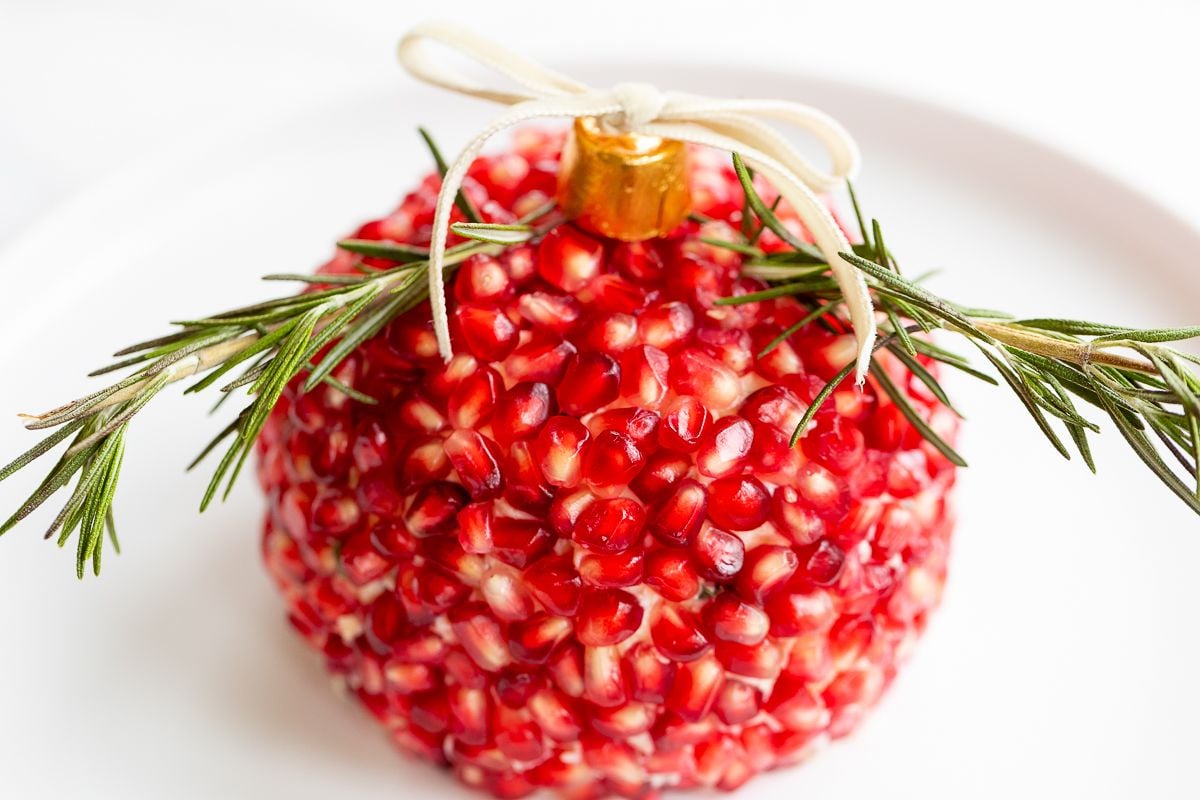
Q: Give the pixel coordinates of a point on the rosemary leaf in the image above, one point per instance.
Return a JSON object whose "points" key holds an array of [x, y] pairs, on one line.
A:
{"points": [[914, 418]]}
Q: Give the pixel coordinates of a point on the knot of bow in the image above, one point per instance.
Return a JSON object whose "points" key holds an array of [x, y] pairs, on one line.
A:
{"points": [[736, 126]]}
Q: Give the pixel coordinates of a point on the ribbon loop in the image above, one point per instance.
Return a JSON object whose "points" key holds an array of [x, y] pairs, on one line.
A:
{"points": [[733, 125]]}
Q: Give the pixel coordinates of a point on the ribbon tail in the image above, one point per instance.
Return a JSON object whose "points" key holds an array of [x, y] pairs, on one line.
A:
{"points": [[569, 107], [829, 238]]}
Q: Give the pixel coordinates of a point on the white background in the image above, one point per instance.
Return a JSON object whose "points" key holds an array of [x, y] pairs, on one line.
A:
{"points": [[87, 86], [90, 89]]}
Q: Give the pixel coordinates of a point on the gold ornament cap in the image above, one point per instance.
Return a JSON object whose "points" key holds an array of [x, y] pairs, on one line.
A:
{"points": [[622, 185]]}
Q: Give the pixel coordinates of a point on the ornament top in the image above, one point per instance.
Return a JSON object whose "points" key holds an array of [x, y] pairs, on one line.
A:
{"points": [[637, 108]]}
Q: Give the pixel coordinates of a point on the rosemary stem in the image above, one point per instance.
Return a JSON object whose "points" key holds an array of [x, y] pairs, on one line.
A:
{"points": [[214, 355], [194, 364], [1078, 353]]}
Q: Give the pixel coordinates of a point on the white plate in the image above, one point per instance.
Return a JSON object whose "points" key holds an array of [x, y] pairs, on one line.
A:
{"points": [[1063, 663]]}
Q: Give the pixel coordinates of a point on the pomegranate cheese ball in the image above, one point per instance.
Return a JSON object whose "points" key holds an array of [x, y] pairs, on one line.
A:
{"points": [[581, 555]]}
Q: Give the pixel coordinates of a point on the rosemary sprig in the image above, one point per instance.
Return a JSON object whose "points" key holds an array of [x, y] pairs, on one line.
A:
{"points": [[267, 344], [1145, 387]]}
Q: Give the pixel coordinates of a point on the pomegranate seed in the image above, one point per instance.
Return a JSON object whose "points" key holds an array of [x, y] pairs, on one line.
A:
{"points": [[763, 660], [607, 616], [475, 528], [840, 447], [739, 502], [555, 583], [823, 492], [555, 716], [539, 361], [507, 597], [685, 421], [377, 494], [534, 639], [722, 452], [679, 517], [430, 711], [767, 569], [731, 620], [566, 667], [660, 475], [434, 507], [469, 714], [476, 460], [517, 542], [650, 675], [796, 706], [483, 279], [694, 372], [613, 570], [695, 688], [737, 702], [677, 635], [849, 639], [771, 457], [671, 732], [525, 487], [776, 406], [421, 743], [424, 460], [823, 565], [429, 590], [558, 448], [794, 518], [800, 614], [566, 508], [887, 428], [553, 312], [898, 527], [445, 378], [907, 474], [638, 261], [568, 258], [613, 334], [421, 648], [487, 332], [463, 670], [371, 448], [624, 721], [517, 736], [614, 293], [718, 555], [604, 680], [514, 686], [481, 636], [471, 405], [610, 525], [361, 560], [447, 552], [518, 261], [393, 539], [384, 623], [521, 411], [644, 375], [334, 512], [667, 324], [592, 380], [639, 424], [612, 459], [671, 574], [810, 659]]}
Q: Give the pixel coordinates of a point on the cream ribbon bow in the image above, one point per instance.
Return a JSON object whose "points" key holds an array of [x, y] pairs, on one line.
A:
{"points": [[730, 125]]}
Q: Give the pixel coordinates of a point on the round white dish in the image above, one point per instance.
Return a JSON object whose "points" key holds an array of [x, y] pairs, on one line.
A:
{"points": [[1062, 663]]}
